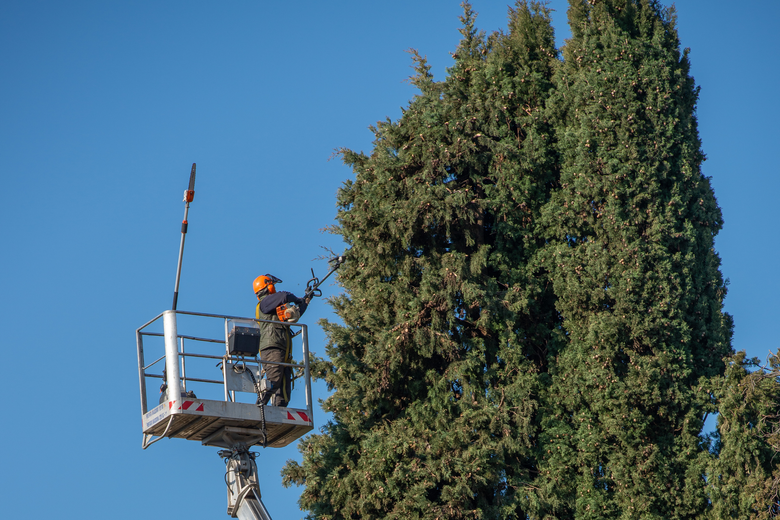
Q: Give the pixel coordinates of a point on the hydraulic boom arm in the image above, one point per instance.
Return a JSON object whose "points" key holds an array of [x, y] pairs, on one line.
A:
{"points": [[243, 490]]}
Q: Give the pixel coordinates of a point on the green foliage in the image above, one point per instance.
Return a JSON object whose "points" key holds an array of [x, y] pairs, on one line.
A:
{"points": [[744, 479], [630, 256], [445, 324], [532, 323]]}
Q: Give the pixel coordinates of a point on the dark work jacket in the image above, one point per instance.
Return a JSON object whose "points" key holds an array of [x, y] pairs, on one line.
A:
{"points": [[275, 336]]}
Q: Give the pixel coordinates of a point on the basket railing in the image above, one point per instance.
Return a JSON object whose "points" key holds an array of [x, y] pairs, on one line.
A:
{"points": [[174, 367]]}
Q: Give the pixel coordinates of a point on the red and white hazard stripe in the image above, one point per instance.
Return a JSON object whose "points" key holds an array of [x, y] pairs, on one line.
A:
{"points": [[297, 416], [186, 405]]}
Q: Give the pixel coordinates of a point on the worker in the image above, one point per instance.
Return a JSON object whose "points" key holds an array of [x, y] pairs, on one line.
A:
{"points": [[276, 340]]}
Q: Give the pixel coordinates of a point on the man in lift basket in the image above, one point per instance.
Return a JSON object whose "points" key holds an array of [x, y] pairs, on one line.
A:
{"points": [[276, 340]]}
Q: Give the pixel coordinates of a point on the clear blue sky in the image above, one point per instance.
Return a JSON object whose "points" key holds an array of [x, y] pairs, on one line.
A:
{"points": [[104, 106]]}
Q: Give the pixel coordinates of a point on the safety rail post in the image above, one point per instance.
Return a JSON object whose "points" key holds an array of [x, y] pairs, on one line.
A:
{"points": [[139, 342], [225, 361], [172, 355], [183, 366], [306, 374]]}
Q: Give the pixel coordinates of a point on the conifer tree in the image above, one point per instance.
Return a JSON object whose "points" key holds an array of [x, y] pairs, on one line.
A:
{"points": [[533, 324], [744, 479], [635, 276], [446, 322]]}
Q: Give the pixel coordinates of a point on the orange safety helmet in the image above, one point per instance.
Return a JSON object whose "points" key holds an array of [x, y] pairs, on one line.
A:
{"points": [[266, 281]]}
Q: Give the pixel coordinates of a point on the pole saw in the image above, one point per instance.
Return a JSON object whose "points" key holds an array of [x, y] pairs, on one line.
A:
{"points": [[312, 286], [290, 311], [189, 195]]}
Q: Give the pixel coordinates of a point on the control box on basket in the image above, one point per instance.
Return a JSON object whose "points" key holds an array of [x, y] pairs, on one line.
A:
{"points": [[243, 338]]}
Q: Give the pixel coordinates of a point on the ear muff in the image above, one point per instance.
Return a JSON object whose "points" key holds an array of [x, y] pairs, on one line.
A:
{"points": [[265, 285]]}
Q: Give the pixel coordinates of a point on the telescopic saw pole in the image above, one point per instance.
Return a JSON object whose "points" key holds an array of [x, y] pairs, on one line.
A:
{"points": [[188, 196]]}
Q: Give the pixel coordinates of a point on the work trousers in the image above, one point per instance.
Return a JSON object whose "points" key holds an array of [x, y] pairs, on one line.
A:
{"points": [[279, 376]]}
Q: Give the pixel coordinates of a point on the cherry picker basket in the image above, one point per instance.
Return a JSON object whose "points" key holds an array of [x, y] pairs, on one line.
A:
{"points": [[211, 381]]}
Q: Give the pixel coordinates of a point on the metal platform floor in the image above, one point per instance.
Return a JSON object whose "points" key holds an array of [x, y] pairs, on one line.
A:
{"points": [[209, 421]]}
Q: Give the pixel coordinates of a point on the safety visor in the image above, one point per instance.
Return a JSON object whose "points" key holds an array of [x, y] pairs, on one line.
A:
{"points": [[272, 279]]}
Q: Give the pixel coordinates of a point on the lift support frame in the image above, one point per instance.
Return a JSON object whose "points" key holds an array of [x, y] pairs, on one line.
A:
{"points": [[226, 423]]}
